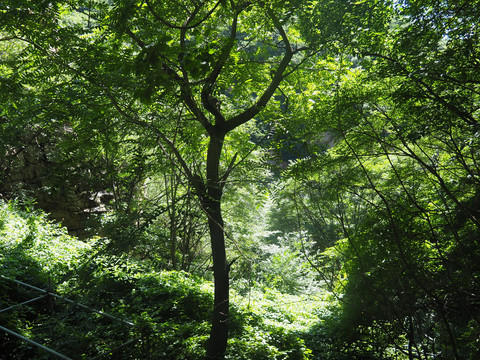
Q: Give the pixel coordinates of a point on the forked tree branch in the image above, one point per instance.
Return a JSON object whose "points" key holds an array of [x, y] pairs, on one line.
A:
{"points": [[277, 78], [183, 26]]}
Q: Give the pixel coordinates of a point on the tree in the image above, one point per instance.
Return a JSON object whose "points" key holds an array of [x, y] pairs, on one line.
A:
{"points": [[185, 74], [405, 182]]}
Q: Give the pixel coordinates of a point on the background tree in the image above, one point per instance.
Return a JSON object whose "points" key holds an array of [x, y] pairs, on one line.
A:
{"points": [[403, 175]]}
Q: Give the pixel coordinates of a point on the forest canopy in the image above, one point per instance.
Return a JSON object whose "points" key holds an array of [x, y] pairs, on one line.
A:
{"points": [[202, 154]]}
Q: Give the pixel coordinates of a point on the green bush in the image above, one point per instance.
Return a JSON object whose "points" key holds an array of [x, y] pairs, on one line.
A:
{"points": [[33, 248], [38, 252]]}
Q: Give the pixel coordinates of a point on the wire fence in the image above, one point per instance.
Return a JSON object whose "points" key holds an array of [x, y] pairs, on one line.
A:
{"points": [[46, 294]]}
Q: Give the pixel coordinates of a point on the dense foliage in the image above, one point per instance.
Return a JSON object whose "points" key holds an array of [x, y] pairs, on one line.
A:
{"points": [[313, 163], [400, 186]]}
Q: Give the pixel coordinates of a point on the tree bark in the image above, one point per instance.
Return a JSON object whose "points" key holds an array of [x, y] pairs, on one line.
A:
{"points": [[217, 343]]}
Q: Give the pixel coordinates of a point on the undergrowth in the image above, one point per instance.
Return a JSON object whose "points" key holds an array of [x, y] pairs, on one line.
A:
{"points": [[169, 311]]}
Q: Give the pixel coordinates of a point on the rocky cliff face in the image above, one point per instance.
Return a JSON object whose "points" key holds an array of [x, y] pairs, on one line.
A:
{"points": [[31, 170]]}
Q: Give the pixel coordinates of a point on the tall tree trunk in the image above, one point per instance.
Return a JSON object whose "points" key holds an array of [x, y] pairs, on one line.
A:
{"points": [[217, 344]]}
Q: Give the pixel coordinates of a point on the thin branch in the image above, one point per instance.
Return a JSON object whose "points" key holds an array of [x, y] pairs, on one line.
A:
{"points": [[8, 38], [209, 102], [468, 118], [234, 165], [135, 38], [184, 26], [230, 167], [276, 79], [185, 85]]}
